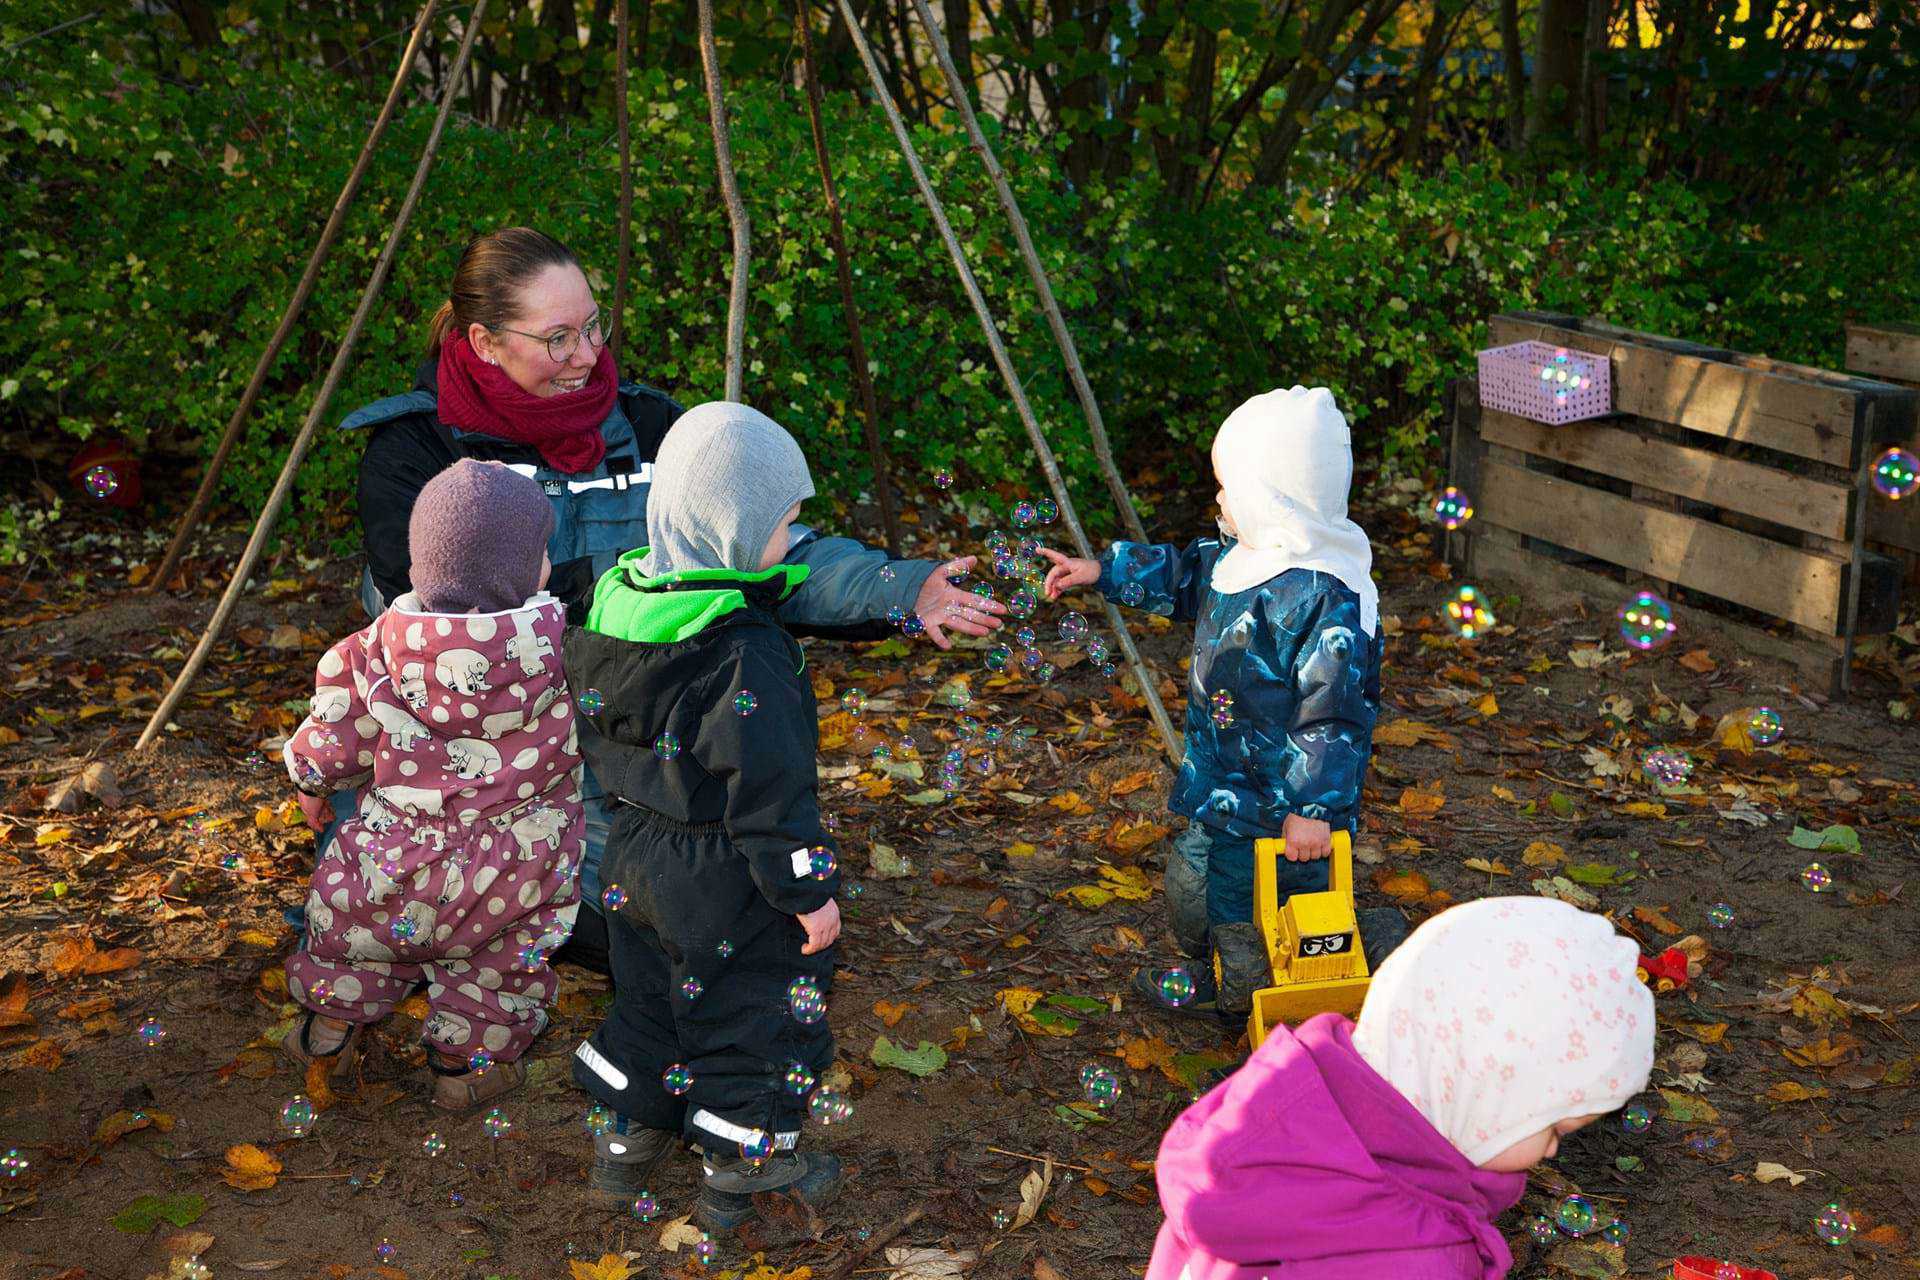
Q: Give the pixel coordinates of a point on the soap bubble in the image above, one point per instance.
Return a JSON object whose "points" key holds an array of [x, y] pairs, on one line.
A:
{"points": [[1765, 726], [1575, 1215], [1032, 659], [1024, 514], [614, 898], [943, 479], [1024, 637], [533, 956], [385, 1250], [799, 1079], [1100, 1085], [1720, 915], [897, 614], [1222, 709], [1131, 594], [1107, 669], [1646, 621], [667, 745], [13, 1164], [744, 702], [150, 1033], [1615, 1232], [296, 1117], [829, 1106], [725, 949], [1045, 672], [853, 701], [645, 1207], [1834, 1225], [1636, 1118], [1176, 986], [1023, 602], [756, 1146], [913, 625], [804, 998], [403, 928], [1816, 877], [1702, 1144], [496, 1124], [600, 1119], [232, 862], [1467, 614], [1896, 473], [1046, 511], [691, 988], [882, 753], [677, 1079], [433, 1145], [1541, 1230], [1728, 1271], [1451, 508], [1667, 766], [590, 702], [1001, 1218], [455, 1199], [706, 1251], [101, 481], [1073, 628], [479, 1062], [998, 656], [821, 863]]}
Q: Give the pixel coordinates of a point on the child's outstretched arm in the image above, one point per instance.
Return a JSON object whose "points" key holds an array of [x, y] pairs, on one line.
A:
{"points": [[324, 754], [1160, 578], [765, 759]]}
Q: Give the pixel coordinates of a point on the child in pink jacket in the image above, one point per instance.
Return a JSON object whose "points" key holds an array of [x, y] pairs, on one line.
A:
{"points": [[449, 717], [1387, 1147]]}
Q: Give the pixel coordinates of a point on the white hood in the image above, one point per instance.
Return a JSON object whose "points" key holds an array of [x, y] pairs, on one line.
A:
{"points": [[1286, 462]]}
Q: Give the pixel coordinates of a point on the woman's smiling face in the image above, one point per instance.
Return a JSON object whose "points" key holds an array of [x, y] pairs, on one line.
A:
{"points": [[555, 301]]}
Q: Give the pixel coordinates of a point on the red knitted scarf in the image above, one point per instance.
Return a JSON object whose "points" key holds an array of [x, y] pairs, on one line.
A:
{"points": [[477, 396]]}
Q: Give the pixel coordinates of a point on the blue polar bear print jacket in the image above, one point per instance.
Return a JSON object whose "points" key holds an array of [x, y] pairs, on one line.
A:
{"points": [[1300, 679]]}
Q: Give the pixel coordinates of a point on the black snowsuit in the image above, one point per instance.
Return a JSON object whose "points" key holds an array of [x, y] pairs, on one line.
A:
{"points": [[710, 846]]}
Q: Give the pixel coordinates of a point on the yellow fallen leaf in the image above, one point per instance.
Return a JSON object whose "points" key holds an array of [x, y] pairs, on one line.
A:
{"points": [[1486, 705], [1134, 781], [1018, 1000], [1768, 1171], [1131, 837], [1129, 883], [1793, 1091], [1704, 1032], [1416, 803], [1644, 809], [1543, 853], [611, 1266], [1143, 1053], [1406, 886], [1086, 896], [1017, 941], [1824, 1052], [1656, 918], [1698, 661], [682, 1231], [1071, 803], [1503, 793], [1732, 732], [1495, 868], [8, 736], [1407, 733], [257, 938], [50, 835], [1021, 849], [890, 1012], [249, 1168]]}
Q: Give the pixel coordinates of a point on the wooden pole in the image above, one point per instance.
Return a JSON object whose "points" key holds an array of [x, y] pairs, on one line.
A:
{"points": [[216, 465], [736, 209], [856, 340], [1042, 449], [263, 527], [1062, 338], [626, 175]]}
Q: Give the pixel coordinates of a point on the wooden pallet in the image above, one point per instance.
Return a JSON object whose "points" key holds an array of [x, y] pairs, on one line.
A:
{"points": [[1891, 353], [1732, 480]]}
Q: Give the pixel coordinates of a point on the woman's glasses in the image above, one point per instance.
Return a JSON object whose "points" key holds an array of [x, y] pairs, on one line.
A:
{"points": [[561, 346]]}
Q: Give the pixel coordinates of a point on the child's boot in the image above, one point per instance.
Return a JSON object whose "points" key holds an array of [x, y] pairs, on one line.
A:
{"points": [[726, 1195], [622, 1162], [1241, 968], [1187, 988]]}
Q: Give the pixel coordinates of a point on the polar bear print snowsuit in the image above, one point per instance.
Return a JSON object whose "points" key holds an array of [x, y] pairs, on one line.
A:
{"points": [[469, 826]]}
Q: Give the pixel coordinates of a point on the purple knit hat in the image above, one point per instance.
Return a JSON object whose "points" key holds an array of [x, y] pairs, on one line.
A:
{"points": [[477, 534]]}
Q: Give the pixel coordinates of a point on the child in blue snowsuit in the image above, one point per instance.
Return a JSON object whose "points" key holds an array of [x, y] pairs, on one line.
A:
{"points": [[1284, 687]]}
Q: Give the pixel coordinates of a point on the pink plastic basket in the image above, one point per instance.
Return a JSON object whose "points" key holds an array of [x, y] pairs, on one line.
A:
{"points": [[1545, 383]]}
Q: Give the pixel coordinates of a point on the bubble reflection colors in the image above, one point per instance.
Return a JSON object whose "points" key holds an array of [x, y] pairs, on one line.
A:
{"points": [[1541, 1230], [600, 1119], [101, 481], [614, 898], [1637, 1117], [821, 862], [1452, 508], [645, 1207], [13, 1164], [1896, 474], [1816, 877], [1100, 1086], [853, 701], [798, 1079], [433, 1145], [150, 1033], [677, 1079], [296, 1116], [1834, 1225], [667, 745], [497, 1124], [744, 703], [1720, 915], [1646, 621], [1176, 986], [691, 987], [1575, 1216], [591, 702], [829, 1106], [1468, 615], [1666, 766], [1615, 1232], [1765, 727], [805, 1000]]}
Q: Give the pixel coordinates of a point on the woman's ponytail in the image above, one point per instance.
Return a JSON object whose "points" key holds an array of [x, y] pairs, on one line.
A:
{"points": [[437, 328]]}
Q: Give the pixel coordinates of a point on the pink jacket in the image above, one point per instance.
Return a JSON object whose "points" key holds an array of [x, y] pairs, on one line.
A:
{"points": [[453, 727], [1306, 1165]]}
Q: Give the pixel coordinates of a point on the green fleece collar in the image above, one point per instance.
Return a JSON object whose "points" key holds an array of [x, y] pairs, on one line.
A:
{"points": [[630, 605]]}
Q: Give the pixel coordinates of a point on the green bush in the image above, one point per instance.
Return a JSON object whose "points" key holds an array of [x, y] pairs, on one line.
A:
{"points": [[158, 232]]}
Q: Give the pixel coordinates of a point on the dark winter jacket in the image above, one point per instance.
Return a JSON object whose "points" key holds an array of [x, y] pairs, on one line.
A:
{"points": [[1300, 679], [674, 659], [597, 514]]}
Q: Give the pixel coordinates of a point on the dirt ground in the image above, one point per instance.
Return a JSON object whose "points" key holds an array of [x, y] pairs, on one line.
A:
{"points": [[1511, 764]]}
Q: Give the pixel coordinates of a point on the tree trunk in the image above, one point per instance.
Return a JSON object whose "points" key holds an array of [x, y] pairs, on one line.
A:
{"points": [[1593, 76], [1557, 55], [1420, 111], [1514, 58], [203, 28], [958, 20]]}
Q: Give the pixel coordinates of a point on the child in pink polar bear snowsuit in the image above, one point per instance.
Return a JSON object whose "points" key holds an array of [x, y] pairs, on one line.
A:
{"points": [[450, 716]]}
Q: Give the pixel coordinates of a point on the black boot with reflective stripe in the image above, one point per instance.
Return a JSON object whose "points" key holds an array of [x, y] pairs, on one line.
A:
{"points": [[726, 1195]]}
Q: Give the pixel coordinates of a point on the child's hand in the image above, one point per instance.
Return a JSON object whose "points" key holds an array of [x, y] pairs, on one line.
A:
{"points": [[944, 607], [1308, 839], [318, 810], [823, 926], [1068, 572]]}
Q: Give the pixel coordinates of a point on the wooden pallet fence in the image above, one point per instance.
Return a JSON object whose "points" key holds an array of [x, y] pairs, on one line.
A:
{"points": [[1891, 353], [1732, 481]]}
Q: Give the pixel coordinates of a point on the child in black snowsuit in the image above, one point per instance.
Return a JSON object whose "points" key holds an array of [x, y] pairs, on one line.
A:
{"points": [[720, 879]]}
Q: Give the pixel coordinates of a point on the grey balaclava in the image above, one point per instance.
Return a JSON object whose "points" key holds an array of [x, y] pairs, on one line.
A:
{"points": [[722, 479]]}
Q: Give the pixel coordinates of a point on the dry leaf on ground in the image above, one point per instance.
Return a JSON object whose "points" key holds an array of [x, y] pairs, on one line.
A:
{"points": [[249, 1168], [1033, 1190]]}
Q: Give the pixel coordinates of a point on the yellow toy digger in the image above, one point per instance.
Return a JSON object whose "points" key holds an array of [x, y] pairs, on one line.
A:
{"points": [[1313, 943]]}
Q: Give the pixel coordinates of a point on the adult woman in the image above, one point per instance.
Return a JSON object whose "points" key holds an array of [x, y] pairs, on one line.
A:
{"points": [[517, 372]]}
